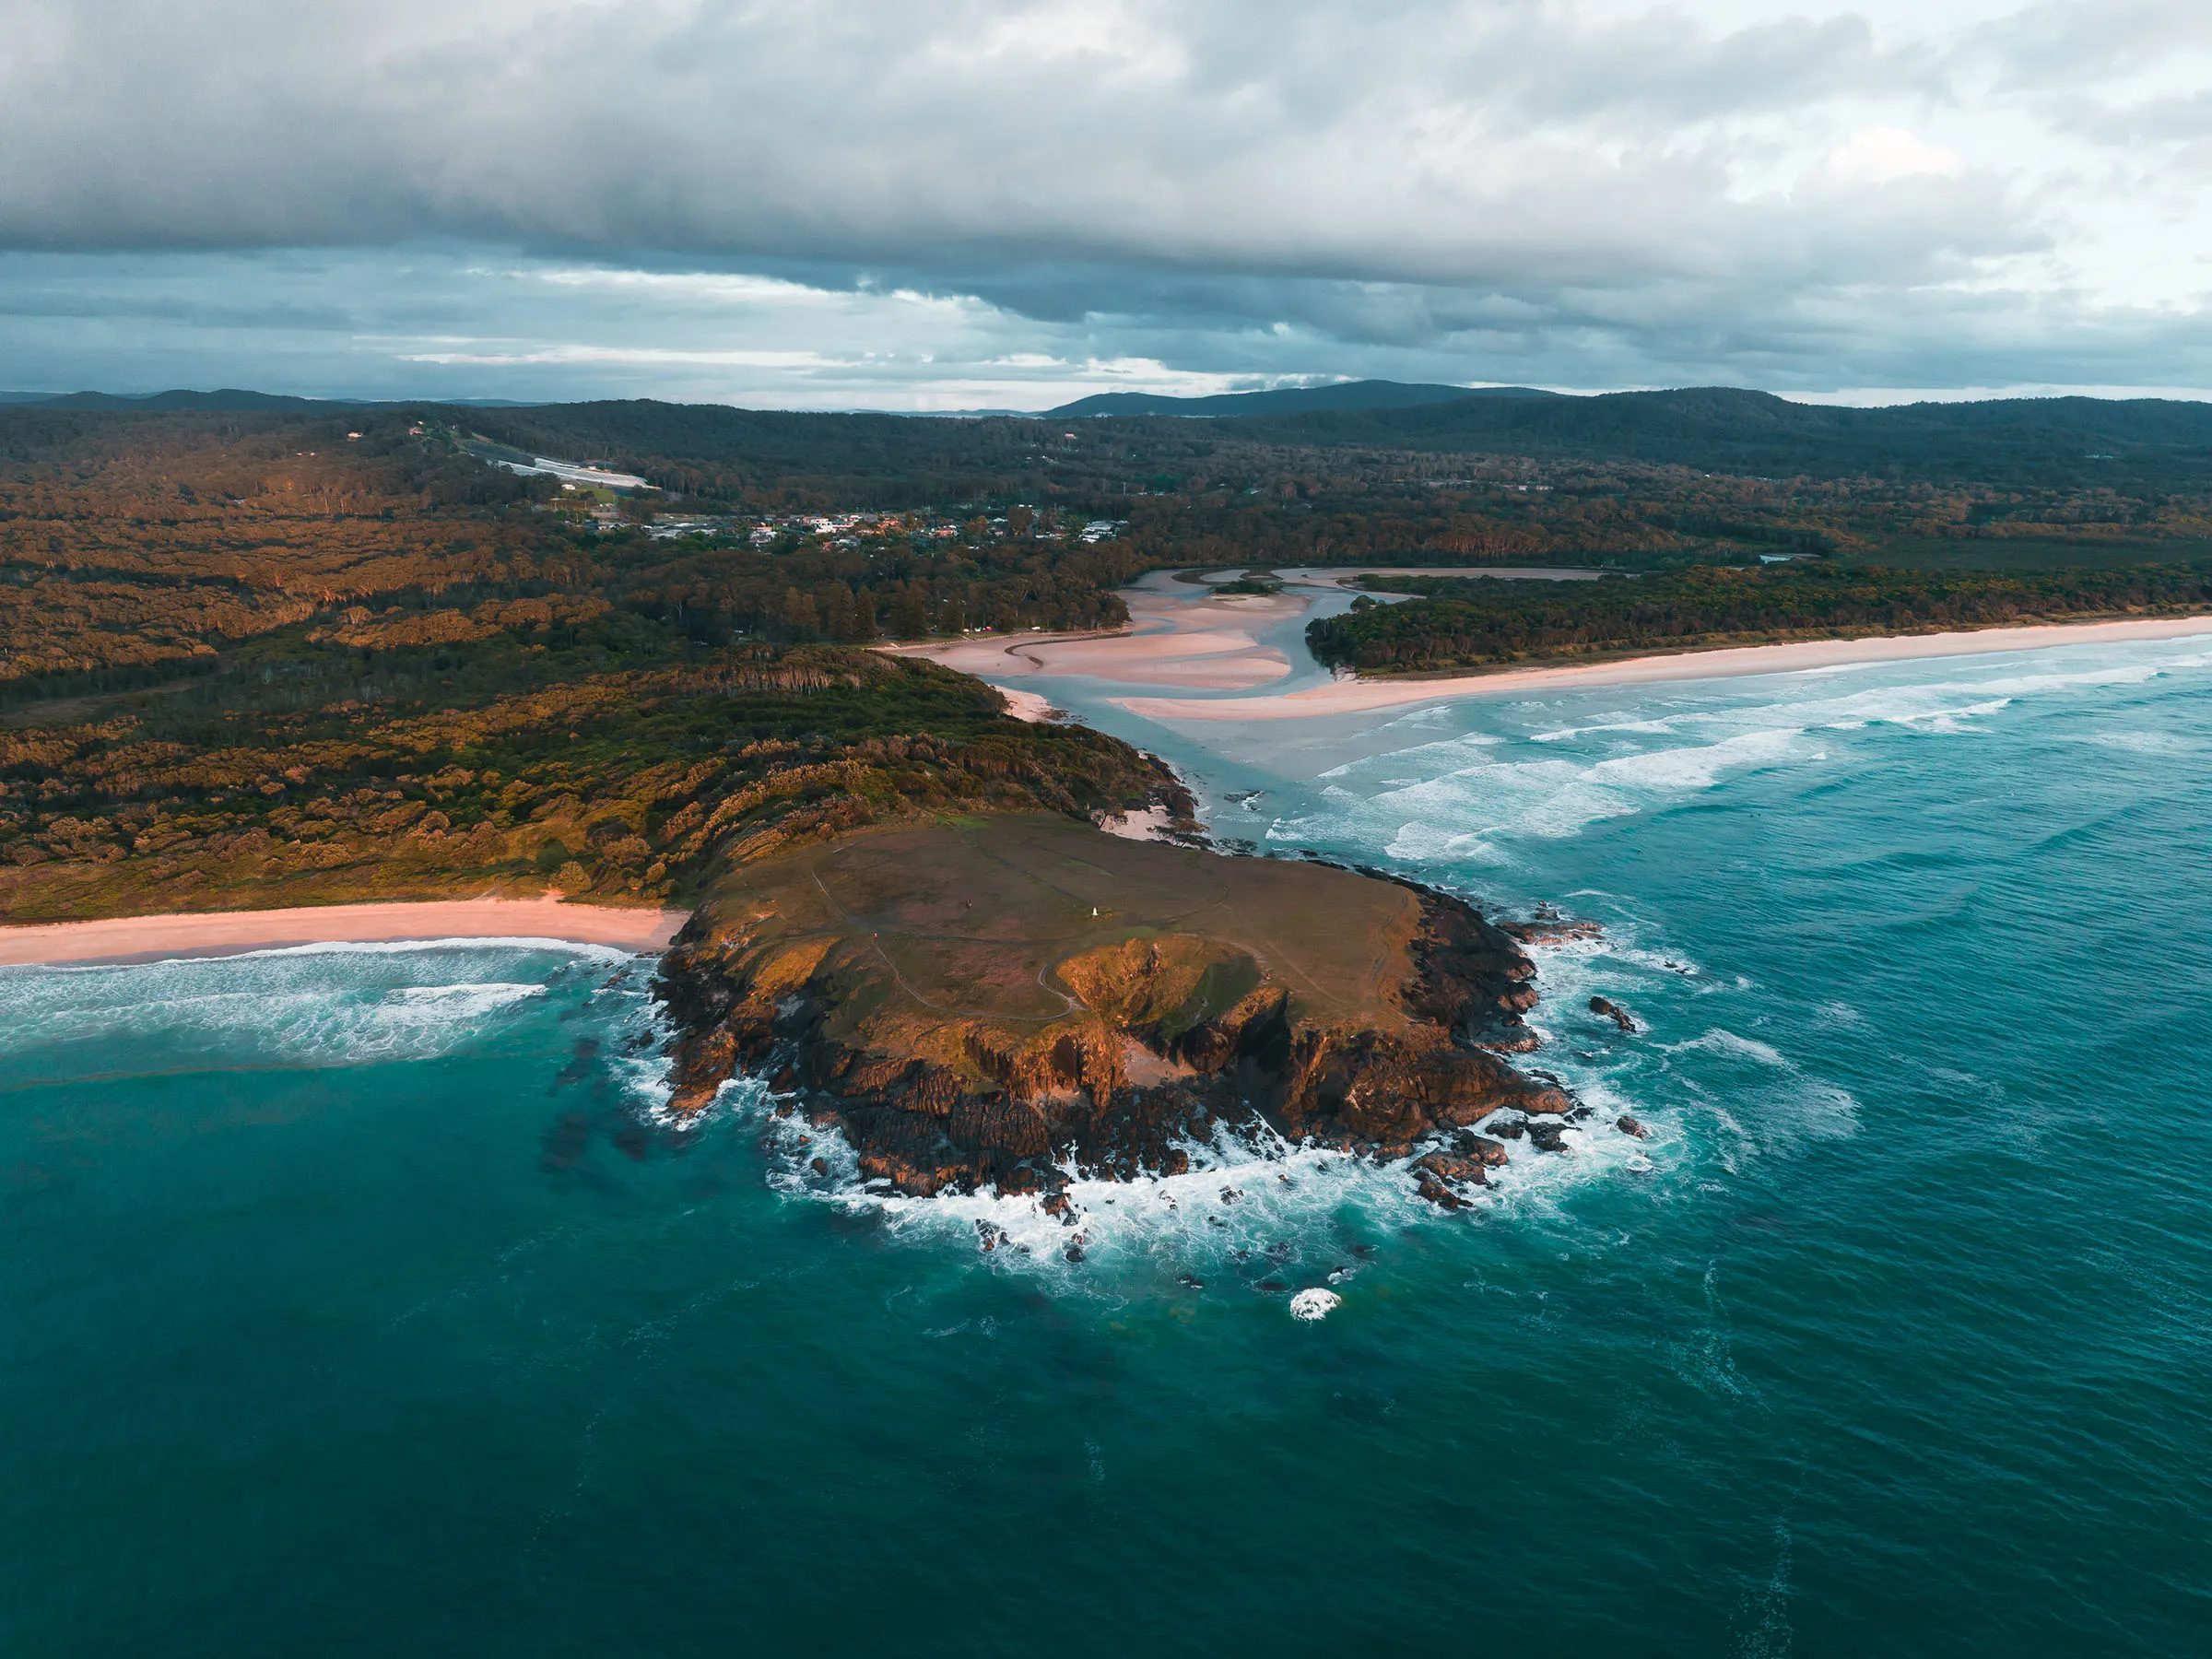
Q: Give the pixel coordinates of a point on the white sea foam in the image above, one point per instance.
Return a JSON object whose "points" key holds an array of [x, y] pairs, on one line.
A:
{"points": [[1463, 812], [1259, 1216], [1664, 728], [461, 1001], [341, 1004], [381, 948], [1702, 767], [1314, 1304], [2147, 743], [1729, 1042]]}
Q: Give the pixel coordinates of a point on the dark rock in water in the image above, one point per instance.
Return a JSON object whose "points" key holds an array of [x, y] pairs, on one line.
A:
{"points": [[1549, 1137], [1055, 1204], [1628, 1126], [1274, 1287], [1482, 1149], [1512, 1129], [1438, 1193], [1188, 1283], [1447, 1166], [1074, 1248], [990, 1237], [1614, 1012], [819, 1166], [1551, 930]]}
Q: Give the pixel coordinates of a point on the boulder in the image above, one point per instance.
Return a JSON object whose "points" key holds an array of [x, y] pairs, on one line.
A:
{"points": [[1448, 1166], [1614, 1012], [1438, 1193], [1549, 1137]]}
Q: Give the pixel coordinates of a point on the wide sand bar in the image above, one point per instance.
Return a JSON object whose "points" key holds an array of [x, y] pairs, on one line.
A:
{"points": [[1358, 696], [1194, 642], [219, 933]]}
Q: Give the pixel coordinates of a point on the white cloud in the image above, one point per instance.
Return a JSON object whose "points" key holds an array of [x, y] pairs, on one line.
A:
{"points": [[1794, 194], [1876, 154]]}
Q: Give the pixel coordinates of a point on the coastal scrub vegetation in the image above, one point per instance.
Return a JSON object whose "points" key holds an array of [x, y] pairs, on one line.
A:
{"points": [[473, 769], [275, 654]]}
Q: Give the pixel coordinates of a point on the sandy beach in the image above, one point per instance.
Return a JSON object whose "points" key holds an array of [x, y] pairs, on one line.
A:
{"points": [[1031, 706], [1198, 642], [1359, 696], [131, 938], [1182, 635]]}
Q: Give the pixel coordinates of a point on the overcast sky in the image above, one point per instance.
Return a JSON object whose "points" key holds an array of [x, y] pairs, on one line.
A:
{"points": [[952, 204]]}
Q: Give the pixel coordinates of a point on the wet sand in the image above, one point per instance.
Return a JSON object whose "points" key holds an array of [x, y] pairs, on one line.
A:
{"points": [[1358, 696], [132, 938], [1182, 636], [1201, 643]]}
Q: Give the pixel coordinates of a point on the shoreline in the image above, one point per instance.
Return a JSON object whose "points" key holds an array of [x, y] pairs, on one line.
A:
{"points": [[1197, 641], [1359, 696], [228, 933]]}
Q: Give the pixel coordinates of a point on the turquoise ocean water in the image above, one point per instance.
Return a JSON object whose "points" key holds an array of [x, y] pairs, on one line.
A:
{"points": [[357, 1300]]}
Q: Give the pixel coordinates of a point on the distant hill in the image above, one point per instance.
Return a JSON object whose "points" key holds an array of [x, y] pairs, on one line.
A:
{"points": [[2142, 445], [1722, 429], [1349, 396], [229, 400], [2060, 442]]}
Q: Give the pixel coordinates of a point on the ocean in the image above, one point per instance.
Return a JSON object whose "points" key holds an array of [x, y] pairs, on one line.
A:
{"points": [[363, 1300]]}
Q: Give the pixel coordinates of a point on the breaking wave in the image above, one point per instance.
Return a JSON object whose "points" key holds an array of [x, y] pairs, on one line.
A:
{"points": [[308, 1005], [1251, 1214]]}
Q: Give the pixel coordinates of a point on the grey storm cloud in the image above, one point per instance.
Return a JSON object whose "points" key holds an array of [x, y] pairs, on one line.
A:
{"points": [[1798, 194]]}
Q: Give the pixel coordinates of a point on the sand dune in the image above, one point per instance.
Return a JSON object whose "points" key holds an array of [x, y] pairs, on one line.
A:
{"points": [[128, 938]]}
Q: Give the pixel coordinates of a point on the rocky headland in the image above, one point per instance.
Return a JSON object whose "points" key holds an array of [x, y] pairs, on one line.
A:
{"points": [[994, 1002]]}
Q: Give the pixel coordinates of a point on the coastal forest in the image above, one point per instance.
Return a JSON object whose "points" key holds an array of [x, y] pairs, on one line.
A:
{"points": [[266, 655], [1473, 622]]}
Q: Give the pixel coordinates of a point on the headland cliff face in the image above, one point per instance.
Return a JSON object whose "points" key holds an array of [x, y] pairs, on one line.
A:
{"points": [[997, 1001]]}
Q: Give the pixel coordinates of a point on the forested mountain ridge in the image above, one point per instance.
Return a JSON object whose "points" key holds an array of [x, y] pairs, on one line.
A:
{"points": [[2083, 440], [1285, 400], [2089, 442]]}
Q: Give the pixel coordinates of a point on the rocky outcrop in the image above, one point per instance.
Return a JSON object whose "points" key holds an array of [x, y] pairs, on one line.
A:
{"points": [[1475, 982], [1173, 1039], [1548, 928], [1614, 1012]]}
